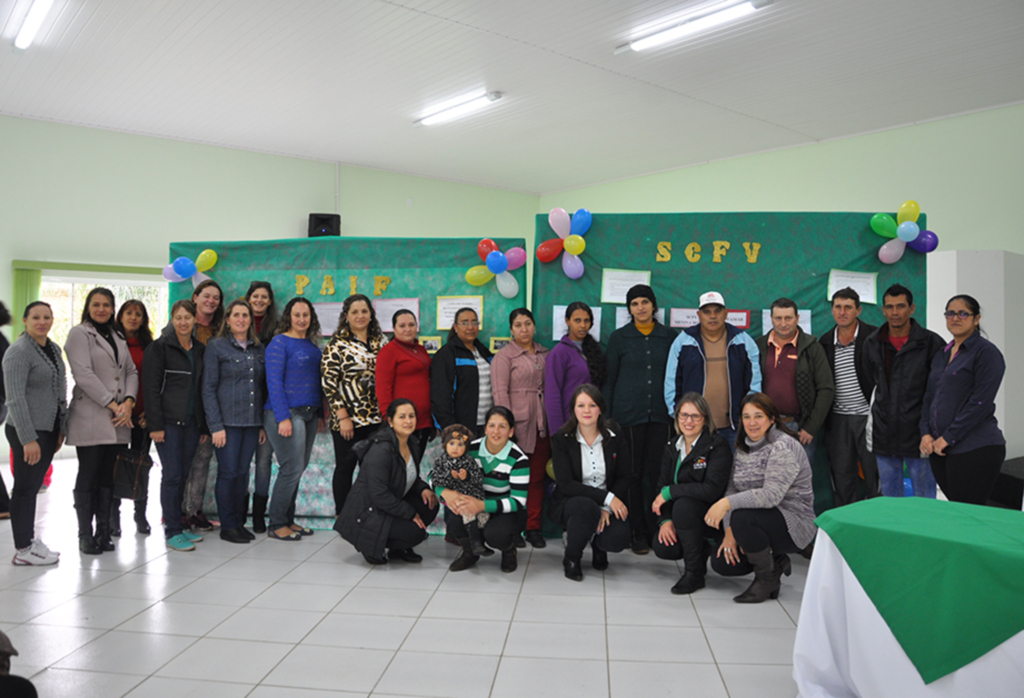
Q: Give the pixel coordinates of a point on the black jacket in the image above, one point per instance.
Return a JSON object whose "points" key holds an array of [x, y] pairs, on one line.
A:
{"points": [[703, 474], [455, 384], [377, 496], [567, 462], [864, 331], [635, 388], [900, 379], [167, 377]]}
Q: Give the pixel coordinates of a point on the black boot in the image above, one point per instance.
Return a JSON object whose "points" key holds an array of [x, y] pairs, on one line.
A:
{"points": [[259, 513], [509, 562], [573, 570], [476, 540], [115, 518], [766, 579], [695, 557], [104, 501], [600, 559], [84, 509], [140, 517], [466, 559]]}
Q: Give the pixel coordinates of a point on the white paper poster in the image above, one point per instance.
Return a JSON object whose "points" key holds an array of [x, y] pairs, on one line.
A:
{"points": [[864, 283], [616, 282], [684, 317], [387, 307], [328, 314], [448, 305], [559, 327]]}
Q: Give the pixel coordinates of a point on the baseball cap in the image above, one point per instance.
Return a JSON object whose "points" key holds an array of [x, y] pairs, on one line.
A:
{"points": [[711, 298]]}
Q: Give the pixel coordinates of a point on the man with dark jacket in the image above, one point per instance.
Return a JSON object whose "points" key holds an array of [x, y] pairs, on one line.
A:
{"points": [[899, 355], [846, 425], [795, 374]]}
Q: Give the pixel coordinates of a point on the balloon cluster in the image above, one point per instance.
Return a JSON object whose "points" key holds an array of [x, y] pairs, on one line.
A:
{"points": [[184, 268], [904, 232], [497, 265], [570, 233]]}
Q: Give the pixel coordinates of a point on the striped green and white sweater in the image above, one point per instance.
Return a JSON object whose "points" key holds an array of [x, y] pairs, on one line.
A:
{"points": [[506, 477]]}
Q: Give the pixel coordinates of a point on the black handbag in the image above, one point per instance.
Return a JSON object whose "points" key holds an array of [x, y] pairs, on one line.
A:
{"points": [[131, 474]]}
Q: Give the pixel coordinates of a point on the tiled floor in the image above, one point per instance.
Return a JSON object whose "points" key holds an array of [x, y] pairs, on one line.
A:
{"points": [[311, 619]]}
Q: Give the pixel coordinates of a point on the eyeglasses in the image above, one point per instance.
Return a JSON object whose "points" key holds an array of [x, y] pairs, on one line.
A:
{"points": [[684, 417], [469, 323], [962, 314]]}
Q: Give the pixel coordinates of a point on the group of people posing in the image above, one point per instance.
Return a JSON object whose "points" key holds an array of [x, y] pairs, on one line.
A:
{"points": [[733, 483]]}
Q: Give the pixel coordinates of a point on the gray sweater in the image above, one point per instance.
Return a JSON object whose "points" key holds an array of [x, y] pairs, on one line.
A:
{"points": [[775, 474], [36, 391]]}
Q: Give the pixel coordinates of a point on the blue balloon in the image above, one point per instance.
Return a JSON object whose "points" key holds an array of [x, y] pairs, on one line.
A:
{"points": [[184, 267], [907, 231], [497, 262], [581, 221]]}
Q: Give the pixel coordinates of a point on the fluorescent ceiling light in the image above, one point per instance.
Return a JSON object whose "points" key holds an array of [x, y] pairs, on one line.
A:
{"points": [[33, 20], [461, 109], [689, 27]]}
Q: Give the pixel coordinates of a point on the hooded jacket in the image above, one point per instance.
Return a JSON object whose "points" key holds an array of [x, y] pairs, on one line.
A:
{"points": [[815, 385]]}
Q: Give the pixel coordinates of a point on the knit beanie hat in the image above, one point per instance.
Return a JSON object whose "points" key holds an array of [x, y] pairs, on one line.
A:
{"points": [[641, 291]]}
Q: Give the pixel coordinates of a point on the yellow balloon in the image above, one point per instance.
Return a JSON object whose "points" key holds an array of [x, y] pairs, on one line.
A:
{"points": [[550, 469], [478, 275], [909, 211], [575, 244], [206, 260]]}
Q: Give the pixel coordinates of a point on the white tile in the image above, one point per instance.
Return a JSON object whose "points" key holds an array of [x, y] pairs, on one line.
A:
{"points": [[93, 612], [11, 575], [46, 644], [752, 645], [83, 684], [557, 678], [652, 580], [273, 625], [647, 610], [332, 574], [384, 602], [582, 610], [170, 618], [253, 570], [300, 597], [360, 631], [488, 581], [67, 579], [235, 661], [723, 588], [142, 586], [18, 606], [441, 675], [715, 613], [472, 606], [657, 644], [292, 692], [126, 653], [550, 580], [457, 636], [403, 576], [310, 666], [759, 680], [265, 549], [555, 641], [208, 590], [182, 564], [161, 687], [665, 679]]}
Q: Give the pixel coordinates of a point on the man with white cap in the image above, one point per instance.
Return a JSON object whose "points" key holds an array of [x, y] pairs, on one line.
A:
{"points": [[717, 360]]}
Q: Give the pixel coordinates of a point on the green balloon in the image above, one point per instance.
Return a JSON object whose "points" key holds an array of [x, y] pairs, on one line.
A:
{"points": [[884, 225]]}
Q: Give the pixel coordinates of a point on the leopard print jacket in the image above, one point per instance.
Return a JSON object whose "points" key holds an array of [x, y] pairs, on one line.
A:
{"points": [[347, 376]]}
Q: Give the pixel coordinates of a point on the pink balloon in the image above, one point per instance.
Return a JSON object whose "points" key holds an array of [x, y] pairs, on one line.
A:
{"points": [[560, 222], [572, 265], [516, 258], [892, 251]]}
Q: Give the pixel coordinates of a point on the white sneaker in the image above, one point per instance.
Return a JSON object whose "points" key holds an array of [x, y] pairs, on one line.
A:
{"points": [[32, 556], [41, 547]]}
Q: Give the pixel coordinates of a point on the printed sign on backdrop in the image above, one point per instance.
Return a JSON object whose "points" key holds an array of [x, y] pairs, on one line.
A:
{"points": [[558, 322], [447, 306]]}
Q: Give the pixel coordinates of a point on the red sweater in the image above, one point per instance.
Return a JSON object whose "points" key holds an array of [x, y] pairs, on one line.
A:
{"points": [[136, 350], [403, 370]]}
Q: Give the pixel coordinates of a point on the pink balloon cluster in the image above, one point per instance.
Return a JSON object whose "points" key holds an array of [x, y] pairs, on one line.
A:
{"points": [[904, 232], [570, 231], [497, 265]]}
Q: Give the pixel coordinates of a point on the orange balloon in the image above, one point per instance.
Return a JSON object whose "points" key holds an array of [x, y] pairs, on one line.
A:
{"points": [[549, 251]]}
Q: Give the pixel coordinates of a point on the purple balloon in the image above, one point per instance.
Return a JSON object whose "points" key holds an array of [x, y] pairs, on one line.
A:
{"points": [[516, 258], [572, 265], [926, 242], [170, 274]]}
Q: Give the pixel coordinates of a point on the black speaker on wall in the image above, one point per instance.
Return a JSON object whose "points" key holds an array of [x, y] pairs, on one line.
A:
{"points": [[323, 225]]}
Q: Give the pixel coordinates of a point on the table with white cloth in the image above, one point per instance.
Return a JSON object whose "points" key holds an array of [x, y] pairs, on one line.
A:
{"points": [[913, 597]]}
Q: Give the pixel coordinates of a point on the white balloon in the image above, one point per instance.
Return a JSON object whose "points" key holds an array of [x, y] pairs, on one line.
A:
{"points": [[198, 278], [507, 285], [892, 251]]}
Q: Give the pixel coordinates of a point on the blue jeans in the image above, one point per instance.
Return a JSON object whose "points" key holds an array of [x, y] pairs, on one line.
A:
{"points": [[264, 461], [176, 453], [293, 453], [808, 448], [890, 474], [729, 434], [232, 489]]}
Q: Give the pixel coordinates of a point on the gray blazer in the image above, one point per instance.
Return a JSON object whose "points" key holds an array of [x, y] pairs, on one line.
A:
{"points": [[99, 380], [36, 391]]}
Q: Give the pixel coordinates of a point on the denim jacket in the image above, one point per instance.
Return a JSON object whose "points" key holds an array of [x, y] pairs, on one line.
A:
{"points": [[233, 380]]}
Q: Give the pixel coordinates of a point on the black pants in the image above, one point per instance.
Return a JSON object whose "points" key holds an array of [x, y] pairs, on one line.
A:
{"points": [[687, 514], [345, 462], [405, 533], [754, 530], [96, 466], [27, 481], [500, 532], [423, 437], [969, 477], [646, 448], [846, 445], [580, 518]]}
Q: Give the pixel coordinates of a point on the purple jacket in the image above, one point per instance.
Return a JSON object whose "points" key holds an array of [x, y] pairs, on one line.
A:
{"points": [[959, 404], [565, 370]]}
